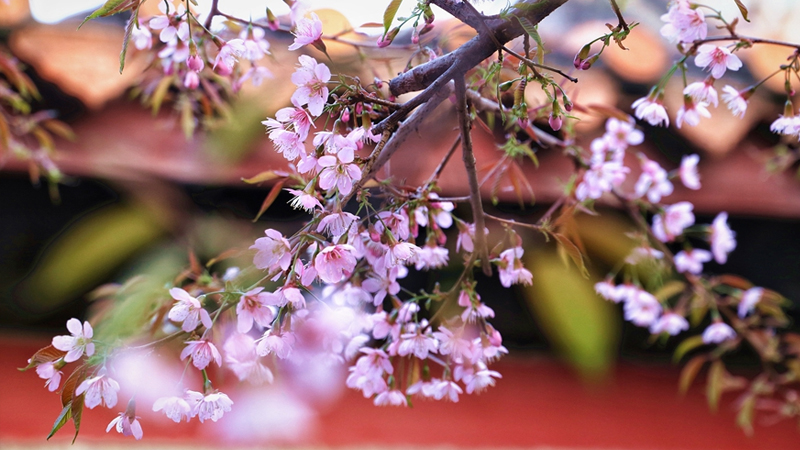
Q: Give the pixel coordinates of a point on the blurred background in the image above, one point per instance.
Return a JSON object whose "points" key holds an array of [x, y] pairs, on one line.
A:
{"points": [[138, 197]]}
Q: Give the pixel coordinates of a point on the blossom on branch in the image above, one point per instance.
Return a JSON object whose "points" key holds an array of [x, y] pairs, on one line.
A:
{"points": [[78, 343]]}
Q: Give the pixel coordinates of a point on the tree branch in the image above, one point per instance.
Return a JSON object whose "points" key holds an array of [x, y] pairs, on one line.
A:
{"points": [[464, 125]]}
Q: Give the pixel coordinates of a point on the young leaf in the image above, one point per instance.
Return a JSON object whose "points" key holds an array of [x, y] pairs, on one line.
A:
{"points": [[745, 417], [686, 346], [534, 33], [267, 175], [742, 9], [132, 22], [110, 8], [388, 15], [61, 420], [567, 246], [715, 384], [689, 372], [273, 194], [44, 355]]}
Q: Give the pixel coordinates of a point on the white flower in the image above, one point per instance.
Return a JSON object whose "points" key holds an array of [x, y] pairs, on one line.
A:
{"points": [[692, 260], [99, 389], [175, 408], [651, 111], [79, 343], [210, 406], [735, 101], [688, 172], [718, 332], [723, 240], [717, 60], [750, 299]]}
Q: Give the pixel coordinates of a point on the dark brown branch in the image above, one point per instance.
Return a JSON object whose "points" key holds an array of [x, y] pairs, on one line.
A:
{"points": [[475, 50], [464, 125]]}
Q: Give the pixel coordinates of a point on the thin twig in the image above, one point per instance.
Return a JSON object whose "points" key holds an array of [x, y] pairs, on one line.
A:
{"points": [[464, 125], [443, 162]]}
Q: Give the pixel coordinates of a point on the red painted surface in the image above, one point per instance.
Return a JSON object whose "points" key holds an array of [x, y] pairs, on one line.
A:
{"points": [[537, 403]]}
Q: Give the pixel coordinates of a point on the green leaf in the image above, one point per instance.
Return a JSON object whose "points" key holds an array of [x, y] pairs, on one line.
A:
{"points": [[110, 8], [669, 289], [686, 346], [742, 9], [745, 416], [533, 32], [76, 410], [388, 15], [133, 22], [267, 175], [715, 384], [689, 372], [566, 246], [61, 420]]}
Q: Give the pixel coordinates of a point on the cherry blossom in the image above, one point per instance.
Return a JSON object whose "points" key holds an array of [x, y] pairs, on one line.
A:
{"points": [[654, 180], [675, 219], [47, 371], [750, 299], [735, 100], [209, 406], [227, 56], [302, 200], [651, 111], [381, 285], [202, 352], [281, 344], [187, 310], [703, 92], [723, 240], [273, 251], [475, 308], [338, 171], [688, 172], [690, 112], [255, 46], [78, 343], [691, 261], [141, 36], [126, 426], [311, 79], [786, 125], [297, 118], [339, 224], [241, 357], [419, 344], [609, 291], [478, 380], [253, 306], [601, 178], [510, 268], [670, 323], [642, 309], [447, 389], [717, 60], [392, 397], [287, 142], [453, 343], [99, 389], [684, 23], [306, 31], [335, 263], [718, 332], [621, 134], [431, 256], [175, 408]]}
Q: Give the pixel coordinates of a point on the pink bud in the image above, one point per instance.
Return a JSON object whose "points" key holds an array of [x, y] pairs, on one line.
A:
{"points": [[195, 63], [360, 107], [224, 69], [556, 122], [192, 80], [346, 115], [568, 106]]}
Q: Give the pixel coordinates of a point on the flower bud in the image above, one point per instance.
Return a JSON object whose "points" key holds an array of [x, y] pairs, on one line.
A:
{"points": [[224, 69], [191, 80], [388, 37], [272, 21], [581, 56], [195, 63], [555, 122], [346, 115]]}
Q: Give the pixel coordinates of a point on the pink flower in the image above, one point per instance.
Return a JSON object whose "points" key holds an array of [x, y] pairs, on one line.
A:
{"points": [[723, 240], [454, 344], [296, 117], [609, 291], [210, 406], [716, 59], [466, 234], [391, 398], [642, 309], [653, 181], [339, 224], [735, 100], [187, 310], [254, 306], [286, 142], [255, 46], [718, 332], [691, 112], [311, 80], [750, 299], [174, 408], [382, 284], [306, 31], [142, 37], [478, 380], [670, 323], [675, 219], [202, 352], [688, 172], [47, 371], [431, 257], [510, 268], [447, 389], [126, 426], [279, 344], [684, 23], [703, 92], [302, 200], [621, 134], [228, 54], [692, 260], [338, 171], [601, 178], [786, 125], [79, 343], [475, 308], [418, 344], [273, 251], [335, 263], [169, 32], [651, 111], [242, 359], [99, 389]]}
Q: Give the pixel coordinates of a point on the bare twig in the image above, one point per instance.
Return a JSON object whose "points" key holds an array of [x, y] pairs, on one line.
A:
{"points": [[464, 125], [444, 161]]}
